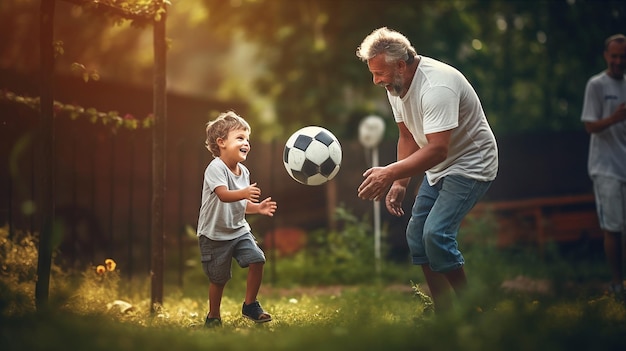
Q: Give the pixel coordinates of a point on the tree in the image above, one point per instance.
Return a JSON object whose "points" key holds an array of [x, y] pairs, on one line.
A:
{"points": [[294, 61], [528, 60]]}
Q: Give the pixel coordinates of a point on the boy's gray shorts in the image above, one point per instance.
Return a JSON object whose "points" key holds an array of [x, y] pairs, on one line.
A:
{"points": [[216, 256]]}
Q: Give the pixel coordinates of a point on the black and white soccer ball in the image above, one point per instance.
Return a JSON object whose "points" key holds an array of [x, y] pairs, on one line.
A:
{"points": [[312, 155]]}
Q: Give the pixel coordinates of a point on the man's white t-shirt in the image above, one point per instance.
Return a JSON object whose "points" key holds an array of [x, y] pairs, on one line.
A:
{"points": [[220, 220], [607, 149], [440, 98]]}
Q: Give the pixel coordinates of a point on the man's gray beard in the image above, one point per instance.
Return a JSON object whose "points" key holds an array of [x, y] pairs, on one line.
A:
{"points": [[396, 85], [396, 90]]}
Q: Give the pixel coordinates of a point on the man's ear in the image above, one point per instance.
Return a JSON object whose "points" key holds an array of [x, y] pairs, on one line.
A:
{"points": [[401, 65]]}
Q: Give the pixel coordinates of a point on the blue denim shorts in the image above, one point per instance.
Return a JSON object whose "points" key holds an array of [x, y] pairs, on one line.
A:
{"points": [[610, 194], [436, 217], [217, 256]]}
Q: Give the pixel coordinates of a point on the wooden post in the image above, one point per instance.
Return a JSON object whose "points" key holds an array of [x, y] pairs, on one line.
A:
{"points": [[158, 160], [45, 145]]}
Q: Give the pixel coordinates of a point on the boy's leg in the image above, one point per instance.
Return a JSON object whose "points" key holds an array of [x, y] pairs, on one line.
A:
{"points": [[216, 264], [251, 307], [249, 254], [215, 299], [253, 284]]}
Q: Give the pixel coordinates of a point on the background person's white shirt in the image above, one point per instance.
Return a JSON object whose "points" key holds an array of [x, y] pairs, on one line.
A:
{"points": [[607, 149]]}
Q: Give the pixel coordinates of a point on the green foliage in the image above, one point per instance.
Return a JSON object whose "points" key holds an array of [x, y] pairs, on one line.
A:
{"points": [[426, 300], [524, 58], [111, 118], [18, 272], [98, 286], [343, 255], [140, 12], [294, 62], [340, 256]]}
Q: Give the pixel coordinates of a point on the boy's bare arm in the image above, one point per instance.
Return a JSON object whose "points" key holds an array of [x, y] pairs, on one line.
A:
{"points": [[250, 193], [266, 207]]}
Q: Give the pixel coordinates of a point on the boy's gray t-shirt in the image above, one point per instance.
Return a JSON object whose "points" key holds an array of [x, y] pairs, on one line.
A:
{"points": [[220, 220]]}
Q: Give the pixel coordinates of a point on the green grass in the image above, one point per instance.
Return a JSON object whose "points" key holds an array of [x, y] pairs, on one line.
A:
{"points": [[338, 318], [350, 307]]}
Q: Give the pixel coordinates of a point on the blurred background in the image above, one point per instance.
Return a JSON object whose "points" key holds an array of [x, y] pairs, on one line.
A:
{"points": [[283, 65]]}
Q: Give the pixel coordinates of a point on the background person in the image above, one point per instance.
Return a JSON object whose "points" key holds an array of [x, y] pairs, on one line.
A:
{"points": [[604, 112]]}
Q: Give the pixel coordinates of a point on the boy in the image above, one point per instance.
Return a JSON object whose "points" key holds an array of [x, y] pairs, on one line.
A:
{"points": [[223, 232]]}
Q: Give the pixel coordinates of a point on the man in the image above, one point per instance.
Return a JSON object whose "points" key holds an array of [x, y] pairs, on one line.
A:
{"points": [[604, 112], [443, 132]]}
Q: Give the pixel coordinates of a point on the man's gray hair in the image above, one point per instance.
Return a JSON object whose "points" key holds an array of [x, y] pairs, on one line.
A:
{"points": [[386, 41], [620, 38]]}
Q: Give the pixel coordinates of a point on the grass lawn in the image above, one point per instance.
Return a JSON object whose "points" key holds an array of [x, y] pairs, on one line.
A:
{"points": [[332, 318], [515, 302]]}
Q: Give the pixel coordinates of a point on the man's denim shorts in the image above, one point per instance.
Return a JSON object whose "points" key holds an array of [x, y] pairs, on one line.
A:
{"points": [[436, 217]]}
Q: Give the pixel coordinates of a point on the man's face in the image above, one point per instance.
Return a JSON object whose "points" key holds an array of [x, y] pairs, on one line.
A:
{"points": [[386, 75], [615, 56]]}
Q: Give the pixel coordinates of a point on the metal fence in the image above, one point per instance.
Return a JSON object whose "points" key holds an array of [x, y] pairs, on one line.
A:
{"points": [[103, 193], [102, 189]]}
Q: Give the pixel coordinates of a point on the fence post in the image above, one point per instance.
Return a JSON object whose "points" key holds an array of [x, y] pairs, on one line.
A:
{"points": [[158, 158], [45, 206]]}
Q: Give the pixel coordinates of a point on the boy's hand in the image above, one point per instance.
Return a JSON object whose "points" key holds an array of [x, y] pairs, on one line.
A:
{"points": [[252, 193], [267, 207]]}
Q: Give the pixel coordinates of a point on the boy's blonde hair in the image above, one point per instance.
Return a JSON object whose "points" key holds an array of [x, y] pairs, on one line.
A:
{"points": [[220, 127]]}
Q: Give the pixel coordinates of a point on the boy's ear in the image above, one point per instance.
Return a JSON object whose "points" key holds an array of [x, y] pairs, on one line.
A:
{"points": [[220, 142]]}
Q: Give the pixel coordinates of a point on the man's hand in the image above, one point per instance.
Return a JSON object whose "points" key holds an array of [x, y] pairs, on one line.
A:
{"points": [[620, 112], [377, 181], [394, 199]]}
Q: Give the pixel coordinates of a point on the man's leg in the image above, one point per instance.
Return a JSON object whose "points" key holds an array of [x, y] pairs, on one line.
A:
{"points": [[610, 194], [457, 280], [457, 196], [440, 289], [613, 252], [441, 286]]}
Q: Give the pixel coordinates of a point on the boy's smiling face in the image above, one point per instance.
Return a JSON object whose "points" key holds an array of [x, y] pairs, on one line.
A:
{"points": [[235, 147]]}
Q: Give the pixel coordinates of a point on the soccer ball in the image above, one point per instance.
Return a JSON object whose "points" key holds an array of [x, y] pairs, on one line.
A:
{"points": [[312, 155]]}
